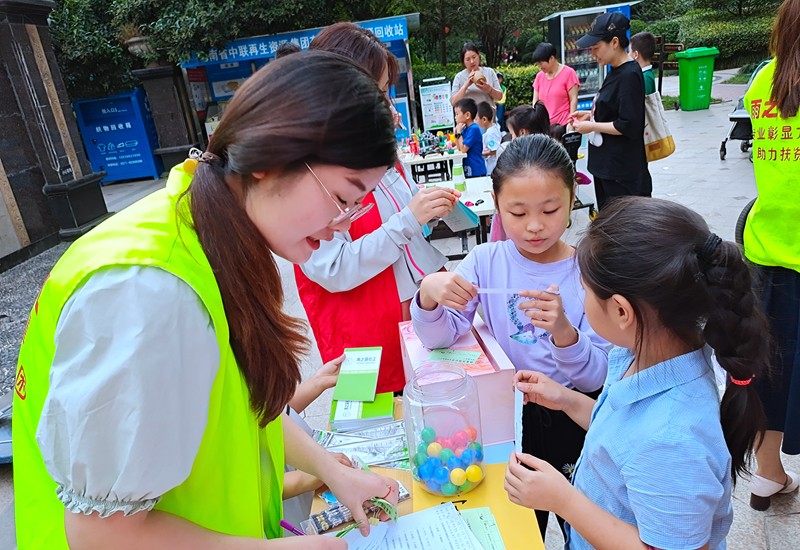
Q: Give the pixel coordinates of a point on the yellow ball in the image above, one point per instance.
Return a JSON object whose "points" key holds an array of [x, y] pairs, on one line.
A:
{"points": [[434, 449], [474, 473], [458, 476]]}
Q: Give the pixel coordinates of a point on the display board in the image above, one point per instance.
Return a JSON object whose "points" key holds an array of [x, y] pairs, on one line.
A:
{"points": [[437, 113]]}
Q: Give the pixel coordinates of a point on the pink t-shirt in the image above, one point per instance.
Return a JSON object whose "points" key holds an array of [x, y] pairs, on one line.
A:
{"points": [[555, 93]]}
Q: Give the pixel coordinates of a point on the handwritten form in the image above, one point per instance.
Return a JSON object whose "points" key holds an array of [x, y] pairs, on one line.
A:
{"points": [[440, 527]]}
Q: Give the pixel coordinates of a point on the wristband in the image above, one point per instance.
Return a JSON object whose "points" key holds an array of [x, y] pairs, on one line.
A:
{"points": [[458, 135]]}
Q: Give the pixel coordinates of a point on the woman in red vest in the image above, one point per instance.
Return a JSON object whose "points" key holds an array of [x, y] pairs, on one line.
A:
{"points": [[357, 287]]}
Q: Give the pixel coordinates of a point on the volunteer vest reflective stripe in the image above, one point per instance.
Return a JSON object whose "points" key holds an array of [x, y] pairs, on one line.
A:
{"points": [[236, 482], [770, 236]]}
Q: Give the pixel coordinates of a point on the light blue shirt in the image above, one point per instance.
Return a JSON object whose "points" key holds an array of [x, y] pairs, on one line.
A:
{"points": [[655, 455]]}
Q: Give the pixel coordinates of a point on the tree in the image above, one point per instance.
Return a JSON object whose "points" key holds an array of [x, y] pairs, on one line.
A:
{"points": [[738, 7], [495, 20], [92, 62]]}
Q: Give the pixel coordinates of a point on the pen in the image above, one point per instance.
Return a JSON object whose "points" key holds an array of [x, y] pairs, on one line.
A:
{"points": [[291, 528]]}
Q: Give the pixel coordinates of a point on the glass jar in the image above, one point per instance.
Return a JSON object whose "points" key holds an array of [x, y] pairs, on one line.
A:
{"points": [[443, 427]]}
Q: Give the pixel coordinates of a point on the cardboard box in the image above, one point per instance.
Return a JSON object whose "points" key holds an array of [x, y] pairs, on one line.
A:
{"points": [[493, 374]]}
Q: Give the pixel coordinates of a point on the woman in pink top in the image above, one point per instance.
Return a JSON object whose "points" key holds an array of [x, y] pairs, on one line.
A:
{"points": [[556, 85]]}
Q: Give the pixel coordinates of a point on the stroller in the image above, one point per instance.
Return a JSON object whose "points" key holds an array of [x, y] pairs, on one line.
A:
{"points": [[741, 127]]}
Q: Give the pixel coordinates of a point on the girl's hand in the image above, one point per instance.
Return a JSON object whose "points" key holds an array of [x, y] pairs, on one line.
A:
{"points": [[433, 202], [538, 388], [328, 374], [543, 488], [446, 288], [546, 311], [342, 459], [354, 488]]}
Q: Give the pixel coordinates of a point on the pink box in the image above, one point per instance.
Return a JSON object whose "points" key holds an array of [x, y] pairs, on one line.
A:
{"points": [[493, 374]]}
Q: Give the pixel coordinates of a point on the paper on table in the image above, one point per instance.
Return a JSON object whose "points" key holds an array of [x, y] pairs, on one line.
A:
{"points": [[483, 525], [440, 527], [455, 356], [375, 540]]}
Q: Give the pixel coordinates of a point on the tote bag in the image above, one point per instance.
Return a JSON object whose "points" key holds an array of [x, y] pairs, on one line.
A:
{"points": [[658, 142]]}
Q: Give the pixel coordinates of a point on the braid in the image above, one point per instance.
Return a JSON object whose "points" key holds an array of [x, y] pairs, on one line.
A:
{"points": [[738, 331]]}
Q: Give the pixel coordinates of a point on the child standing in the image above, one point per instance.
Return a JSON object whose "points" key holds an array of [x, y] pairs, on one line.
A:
{"points": [[469, 138], [544, 328], [491, 134], [643, 48], [656, 467]]}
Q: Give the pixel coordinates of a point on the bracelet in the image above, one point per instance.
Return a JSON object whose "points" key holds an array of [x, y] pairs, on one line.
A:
{"points": [[458, 135]]}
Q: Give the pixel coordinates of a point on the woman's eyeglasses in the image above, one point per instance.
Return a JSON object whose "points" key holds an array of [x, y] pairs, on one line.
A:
{"points": [[347, 214]]}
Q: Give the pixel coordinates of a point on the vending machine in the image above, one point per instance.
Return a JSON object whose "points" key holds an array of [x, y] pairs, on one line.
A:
{"points": [[564, 28]]}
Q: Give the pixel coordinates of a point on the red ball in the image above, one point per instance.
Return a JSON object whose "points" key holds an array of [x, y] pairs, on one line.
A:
{"points": [[461, 438], [472, 432]]}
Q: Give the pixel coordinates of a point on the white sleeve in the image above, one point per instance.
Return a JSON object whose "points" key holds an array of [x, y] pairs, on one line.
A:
{"points": [[136, 357], [341, 264], [493, 80]]}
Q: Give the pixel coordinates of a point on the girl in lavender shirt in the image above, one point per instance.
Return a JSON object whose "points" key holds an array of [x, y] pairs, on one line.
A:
{"points": [[543, 328]]}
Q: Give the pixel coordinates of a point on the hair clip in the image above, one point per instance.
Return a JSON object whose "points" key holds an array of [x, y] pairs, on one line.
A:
{"points": [[204, 156], [742, 382]]}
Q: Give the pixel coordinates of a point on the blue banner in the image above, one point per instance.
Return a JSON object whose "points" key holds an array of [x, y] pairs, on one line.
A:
{"points": [[264, 47]]}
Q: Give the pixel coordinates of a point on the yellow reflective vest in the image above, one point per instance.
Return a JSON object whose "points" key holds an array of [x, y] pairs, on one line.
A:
{"points": [[770, 236], [236, 482]]}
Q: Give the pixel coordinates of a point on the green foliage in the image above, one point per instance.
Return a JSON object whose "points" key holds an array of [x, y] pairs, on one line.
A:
{"points": [[738, 40], [518, 79], [433, 70], [92, 62], [637, 26], [737, 7], [668, 28]]}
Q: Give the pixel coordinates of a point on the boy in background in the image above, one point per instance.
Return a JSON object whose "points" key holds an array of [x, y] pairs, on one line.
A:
{"points": [[469, 138], [491, 134], [643, 48]]}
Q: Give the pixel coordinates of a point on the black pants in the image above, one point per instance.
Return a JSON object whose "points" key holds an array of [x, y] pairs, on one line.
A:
{"points": [[605, 190], [555, 438]]}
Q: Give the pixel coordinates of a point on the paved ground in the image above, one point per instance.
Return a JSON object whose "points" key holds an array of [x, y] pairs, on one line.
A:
{"points": [[693, 176]]}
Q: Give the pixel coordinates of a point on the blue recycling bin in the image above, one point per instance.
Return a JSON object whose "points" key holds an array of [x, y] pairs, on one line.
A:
{"points": [[119, 136]]}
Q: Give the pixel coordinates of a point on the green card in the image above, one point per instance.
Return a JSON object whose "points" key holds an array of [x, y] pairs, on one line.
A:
{"points": [[358, 377]]}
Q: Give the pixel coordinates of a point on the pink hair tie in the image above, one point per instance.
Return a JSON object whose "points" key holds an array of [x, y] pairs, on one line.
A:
{"points": [[742, 382]]}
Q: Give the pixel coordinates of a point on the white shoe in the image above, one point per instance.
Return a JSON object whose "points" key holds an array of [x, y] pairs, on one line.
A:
{"points": [[762, 489]]}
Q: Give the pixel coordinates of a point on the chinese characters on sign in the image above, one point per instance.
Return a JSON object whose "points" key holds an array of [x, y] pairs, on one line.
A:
{"points": [[260, 47]]}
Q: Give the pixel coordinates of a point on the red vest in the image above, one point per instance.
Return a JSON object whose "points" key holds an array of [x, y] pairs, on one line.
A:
{"points": [[367, 315]]}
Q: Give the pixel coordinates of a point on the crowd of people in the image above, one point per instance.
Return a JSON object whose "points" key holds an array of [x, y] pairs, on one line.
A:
{"points": [[172, 421]]}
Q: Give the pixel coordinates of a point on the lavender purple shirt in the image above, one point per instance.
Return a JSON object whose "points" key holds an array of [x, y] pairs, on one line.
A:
{"points": [[500, 265]]}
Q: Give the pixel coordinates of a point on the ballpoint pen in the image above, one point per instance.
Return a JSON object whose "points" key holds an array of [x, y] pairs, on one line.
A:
{"points": [[291, 528]]}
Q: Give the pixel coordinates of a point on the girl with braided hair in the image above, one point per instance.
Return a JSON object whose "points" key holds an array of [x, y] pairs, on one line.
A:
{"points": [[656, 468]]}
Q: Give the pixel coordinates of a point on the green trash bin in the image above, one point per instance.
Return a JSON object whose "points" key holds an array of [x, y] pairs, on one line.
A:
{"points": [[696, 71]]}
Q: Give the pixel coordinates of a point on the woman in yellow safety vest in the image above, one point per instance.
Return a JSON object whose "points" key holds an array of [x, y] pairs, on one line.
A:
{"points": [[771, 243], [157, 361]]}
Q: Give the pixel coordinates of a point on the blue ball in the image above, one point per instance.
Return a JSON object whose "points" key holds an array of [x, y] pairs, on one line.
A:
{"points": [[441, 475], [453, 462], [467, 457], [425, 472], [434, 462], [433, 486], [478, 455]]}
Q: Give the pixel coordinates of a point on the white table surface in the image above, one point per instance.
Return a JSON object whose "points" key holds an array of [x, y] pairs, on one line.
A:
{"points": [[409, 159], [477, 188]]}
